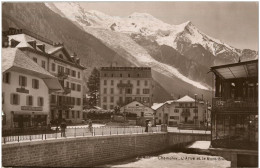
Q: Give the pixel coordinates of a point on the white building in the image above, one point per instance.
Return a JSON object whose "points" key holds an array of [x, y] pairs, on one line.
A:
{"points": [[54, 58], [142, 112], [184, 110], [25, 91]]}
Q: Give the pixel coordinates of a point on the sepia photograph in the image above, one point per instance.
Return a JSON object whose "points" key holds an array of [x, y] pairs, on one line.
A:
{"points": [[140, 84]]}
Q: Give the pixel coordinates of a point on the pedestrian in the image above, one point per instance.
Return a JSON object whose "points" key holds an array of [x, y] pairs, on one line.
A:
{"points": [[63, 127], [146, 126], [149, 126], [90, 125]]}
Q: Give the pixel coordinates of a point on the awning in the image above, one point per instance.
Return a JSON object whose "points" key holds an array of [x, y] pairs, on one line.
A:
{"points": [[246, 69], [53, 84]]}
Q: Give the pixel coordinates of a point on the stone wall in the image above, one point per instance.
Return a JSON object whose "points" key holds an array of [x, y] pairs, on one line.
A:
{"points": [[82, 151]]}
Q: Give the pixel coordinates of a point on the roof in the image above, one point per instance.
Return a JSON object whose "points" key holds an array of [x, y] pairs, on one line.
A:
{"points": [[246, 69], [155, 106], [185, 99], [15, 59]]}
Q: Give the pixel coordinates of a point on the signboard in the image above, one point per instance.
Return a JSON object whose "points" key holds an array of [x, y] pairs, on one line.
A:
{"points": [[30, 108], [22, 90]]}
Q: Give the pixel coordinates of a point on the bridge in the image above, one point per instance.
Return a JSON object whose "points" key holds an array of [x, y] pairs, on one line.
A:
{"points": [[94, 150]]}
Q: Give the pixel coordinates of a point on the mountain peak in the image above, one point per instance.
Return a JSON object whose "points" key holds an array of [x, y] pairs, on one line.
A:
{"points": [[139, 15]]}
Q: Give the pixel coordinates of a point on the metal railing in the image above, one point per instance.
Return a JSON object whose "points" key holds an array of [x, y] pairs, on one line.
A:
{"points": [[81, 132]]}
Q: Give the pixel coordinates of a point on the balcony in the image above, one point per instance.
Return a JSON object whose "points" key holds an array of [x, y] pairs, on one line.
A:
{"points": [[234, 106], [185, 114], [124, 85], [66, 90], [62, 75]]}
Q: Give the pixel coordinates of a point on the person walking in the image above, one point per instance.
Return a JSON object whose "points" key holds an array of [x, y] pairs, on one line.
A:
{"points": [[63, 127], [146, 125], [90, 125]]}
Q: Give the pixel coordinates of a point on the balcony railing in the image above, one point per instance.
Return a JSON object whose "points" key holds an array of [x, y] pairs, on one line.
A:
{"points": [[220, 105], [62, 75], [125, 85]]}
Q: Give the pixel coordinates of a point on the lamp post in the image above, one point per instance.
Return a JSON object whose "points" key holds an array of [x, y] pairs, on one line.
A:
{"points": [[196, 110]]}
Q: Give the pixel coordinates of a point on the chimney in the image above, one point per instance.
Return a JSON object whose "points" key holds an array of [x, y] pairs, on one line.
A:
{"points": [[5, 41]]}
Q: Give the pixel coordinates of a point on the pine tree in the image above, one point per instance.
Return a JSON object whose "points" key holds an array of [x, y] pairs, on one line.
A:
{"points": [[93, 87]]}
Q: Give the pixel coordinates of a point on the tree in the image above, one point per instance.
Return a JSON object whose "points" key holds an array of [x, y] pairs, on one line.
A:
{"points": [[93, 87]]}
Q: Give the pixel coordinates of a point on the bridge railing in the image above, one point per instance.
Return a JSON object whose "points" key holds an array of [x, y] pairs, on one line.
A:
{"points": [[81, 132]]}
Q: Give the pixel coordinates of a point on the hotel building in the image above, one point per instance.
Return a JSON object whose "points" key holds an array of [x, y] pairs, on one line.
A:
{"points": [[122, 85], [54, 58]]}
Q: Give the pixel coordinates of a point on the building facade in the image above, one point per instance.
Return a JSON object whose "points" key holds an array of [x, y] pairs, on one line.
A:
{"points": [[122, 85], [25, 91], [182, 111], [54, 58], [235, 112]]}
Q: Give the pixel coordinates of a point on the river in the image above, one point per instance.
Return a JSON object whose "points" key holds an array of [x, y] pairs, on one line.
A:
{"points": [[174, 159]]}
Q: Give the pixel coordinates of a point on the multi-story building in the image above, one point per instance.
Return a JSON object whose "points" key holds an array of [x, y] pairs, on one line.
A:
{"points": [[184, 110], [234, 131], [122, 85], [54, 58], [25, 91]]}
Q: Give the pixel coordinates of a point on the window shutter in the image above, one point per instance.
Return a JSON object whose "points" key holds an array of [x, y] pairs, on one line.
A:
{"points": [[20, 81], [25, 82], [18, 99], [11, 99], [38, 102], [27, 100]]}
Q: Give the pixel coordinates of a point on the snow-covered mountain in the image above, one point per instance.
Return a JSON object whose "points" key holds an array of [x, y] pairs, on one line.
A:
{"points": [[176, 36]]}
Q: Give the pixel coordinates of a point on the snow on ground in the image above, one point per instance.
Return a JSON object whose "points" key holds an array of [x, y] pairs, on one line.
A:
{"points": [[200, 145]]}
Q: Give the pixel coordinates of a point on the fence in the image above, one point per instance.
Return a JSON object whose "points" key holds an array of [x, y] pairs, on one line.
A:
{"points": [[81, 132]]}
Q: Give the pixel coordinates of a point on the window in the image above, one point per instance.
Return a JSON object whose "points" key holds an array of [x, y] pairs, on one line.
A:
{"points": [[120, 99], [15, 99], [128, 99], [35, 83], [145, 83], [40, 101], [195, 110], [104, 107], [121, 91], [35, 59], [67, 114], [61, 56], [112, 99], [146, 99], [73, 73], [6, 77], [137, 91], [60, 69], [105, 91], [138, 75], [174, 117], [112, 75], [78, 114], [78, 87], [112, 82], [138, 82], [129, 75], [160, 114], [79, 75], [121, 75], [53, 98], [176, 110], [3, 98], [73, 114], [105, 75], [111, 106], [68, 71], [43, 64], [180, 104], [112, 90], [186, 104], [128, 91], [146, 91], [53, 67], [191, 104], [22, 81], [78, 101], [72, 86], [105, 82], [138, 99], [105, 99], [68, 85], [29, 100]]}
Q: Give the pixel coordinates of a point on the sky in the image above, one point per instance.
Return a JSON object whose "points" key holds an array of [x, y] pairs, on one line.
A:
{"points": [[235, 23]]}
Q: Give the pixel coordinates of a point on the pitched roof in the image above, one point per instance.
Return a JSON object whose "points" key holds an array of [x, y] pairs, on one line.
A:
{"points": [[15, 59], [185, 99], [155, 106]]}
